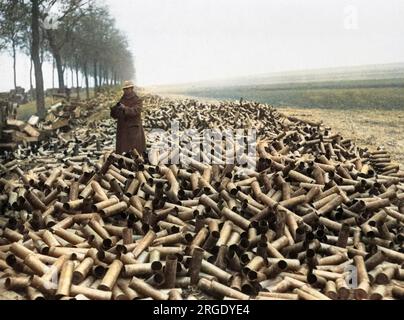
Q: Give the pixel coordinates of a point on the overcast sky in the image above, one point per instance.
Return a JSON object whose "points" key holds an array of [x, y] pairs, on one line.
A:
{"points": [[177, 41]]}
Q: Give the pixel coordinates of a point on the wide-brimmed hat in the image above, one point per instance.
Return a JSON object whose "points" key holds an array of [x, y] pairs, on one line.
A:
{"points": [[128, 84]]}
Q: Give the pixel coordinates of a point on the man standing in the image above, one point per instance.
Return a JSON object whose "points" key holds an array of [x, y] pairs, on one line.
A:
{"points": [[130, 134]]}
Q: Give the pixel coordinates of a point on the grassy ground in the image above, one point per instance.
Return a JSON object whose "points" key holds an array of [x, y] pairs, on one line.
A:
{"points": [[25, 111], [371, 128], [363, 94]]}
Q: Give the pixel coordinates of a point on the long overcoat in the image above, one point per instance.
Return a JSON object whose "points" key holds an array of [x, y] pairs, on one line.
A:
{"points": [[130, 134]]}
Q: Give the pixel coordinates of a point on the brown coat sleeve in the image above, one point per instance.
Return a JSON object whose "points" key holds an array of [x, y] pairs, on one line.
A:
{"points": [[132, 112], [134, 109], [116, 111]]}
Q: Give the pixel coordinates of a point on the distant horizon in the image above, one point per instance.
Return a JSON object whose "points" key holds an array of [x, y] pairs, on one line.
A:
{"points": [[256, 75], [284, 72]]}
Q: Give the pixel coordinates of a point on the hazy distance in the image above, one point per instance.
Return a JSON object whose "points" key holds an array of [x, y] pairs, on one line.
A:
{"points": [[183, 41]]}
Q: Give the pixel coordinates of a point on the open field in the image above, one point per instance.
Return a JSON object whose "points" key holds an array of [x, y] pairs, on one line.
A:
{"points": [[348, 94], [368, 128], [28, 109]]}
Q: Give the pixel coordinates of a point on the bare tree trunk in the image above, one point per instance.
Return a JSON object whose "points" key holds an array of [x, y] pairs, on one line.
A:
{"points": [[72, 74], [53, 73], [59, 68], [99, 71], [31, 86], [14, 65], [40, 96], [58, 59], [77, 81], [87, 85], [102, 75], [95, 78], [66, 80]]}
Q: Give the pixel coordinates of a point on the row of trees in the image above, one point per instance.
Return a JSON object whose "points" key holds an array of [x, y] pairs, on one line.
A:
{"points": [[76, 35]]}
